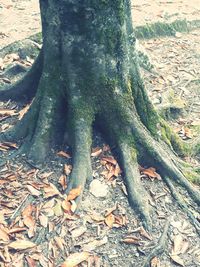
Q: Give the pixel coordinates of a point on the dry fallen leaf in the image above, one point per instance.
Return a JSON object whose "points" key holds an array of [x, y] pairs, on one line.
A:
{"points": [[43, 261], [28, 210], [185, 133], [94, 244], [67, 169], [49, 204], [51, 191], [117, 170], [155, 262], [59, 242], [76, 258], [8, 145], [97, 217], [4, 236], [124, 189], [185, 247], [110, 210], [120, 221], [109, 220], [74, 193], [17, 230], [45, 175], [8, 112], [78, 231], [43, 220], [31, 262], [144, 233], [29, 221], [21, 244], [73, 206], [58, 211], [66, 205], [132, 240], [109, 160], [63, 181], [33, 191], [63, 154], [177, 260], [23, 111], [96, 152], [150, 172], [178, 242]]}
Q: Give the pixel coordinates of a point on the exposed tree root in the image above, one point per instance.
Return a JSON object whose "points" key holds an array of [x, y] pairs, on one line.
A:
{"points": [[159, 249], [81, 139], [131, 137], [42, 136], [89, 74], [138, 197], [181, 202], [25, 89], [24, 127], [164, 163], [194, 146]]}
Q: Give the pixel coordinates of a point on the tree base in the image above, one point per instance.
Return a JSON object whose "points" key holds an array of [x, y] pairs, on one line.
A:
{"points": [[119, 121], [89, 75]]}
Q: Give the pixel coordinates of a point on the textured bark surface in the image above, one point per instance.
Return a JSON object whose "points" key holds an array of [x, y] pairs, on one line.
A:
{"points": [[88, 75]]}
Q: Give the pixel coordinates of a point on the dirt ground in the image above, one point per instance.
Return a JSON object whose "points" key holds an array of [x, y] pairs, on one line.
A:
{"points": [[21, 18], [106, 226]]}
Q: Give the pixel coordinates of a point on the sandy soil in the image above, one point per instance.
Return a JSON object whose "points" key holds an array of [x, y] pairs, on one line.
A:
{"points": [[20, 19]]}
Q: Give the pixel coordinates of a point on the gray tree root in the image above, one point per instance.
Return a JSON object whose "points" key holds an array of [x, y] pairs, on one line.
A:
{"points": [[165, 164], [25, 89], [137, 195], [44, 130], [81, 138], [180, 201], [25, 126], [159, 249], [94, 71]]}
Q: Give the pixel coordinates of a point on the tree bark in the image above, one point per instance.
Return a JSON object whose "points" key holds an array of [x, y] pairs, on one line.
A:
{"points": [[90, 75]]}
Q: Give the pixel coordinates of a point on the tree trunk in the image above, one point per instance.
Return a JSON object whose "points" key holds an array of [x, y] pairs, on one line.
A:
{"points": [[89, 76]]}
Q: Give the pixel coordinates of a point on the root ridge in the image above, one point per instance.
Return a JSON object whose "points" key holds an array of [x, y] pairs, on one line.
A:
{"points": [[25, 89], [160, 247]]}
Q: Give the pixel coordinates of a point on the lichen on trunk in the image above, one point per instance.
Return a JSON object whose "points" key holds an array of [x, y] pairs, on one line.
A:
{"points": [[90, 75]]}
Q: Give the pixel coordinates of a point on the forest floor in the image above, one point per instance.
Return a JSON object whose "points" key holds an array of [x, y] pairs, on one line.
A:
{"points": [[36, 227]]}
